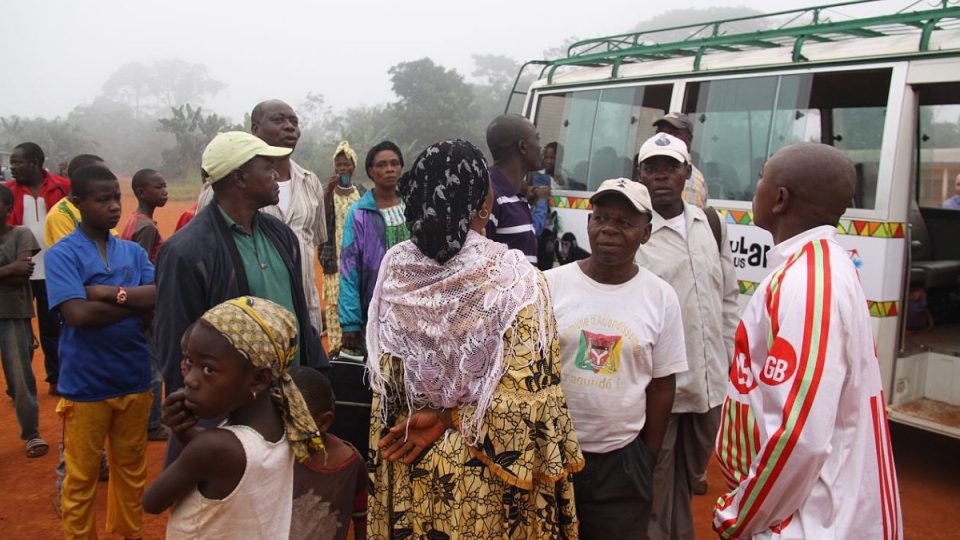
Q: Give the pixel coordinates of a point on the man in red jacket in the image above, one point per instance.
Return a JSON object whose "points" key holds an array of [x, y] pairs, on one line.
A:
{"points": [[35, 191]]}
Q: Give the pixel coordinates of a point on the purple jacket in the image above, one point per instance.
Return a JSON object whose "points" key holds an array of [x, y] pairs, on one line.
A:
{"points": [[364, 245]]}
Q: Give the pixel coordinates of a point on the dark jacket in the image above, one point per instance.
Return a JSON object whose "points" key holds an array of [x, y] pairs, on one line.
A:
{"points": [[200, 267]]}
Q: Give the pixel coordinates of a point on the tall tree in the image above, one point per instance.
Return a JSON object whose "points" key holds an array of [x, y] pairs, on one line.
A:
{"points": [[152, 88], [434, 103]]}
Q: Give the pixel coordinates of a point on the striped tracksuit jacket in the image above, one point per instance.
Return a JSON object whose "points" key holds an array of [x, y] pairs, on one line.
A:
{"points": [[804, 443]]}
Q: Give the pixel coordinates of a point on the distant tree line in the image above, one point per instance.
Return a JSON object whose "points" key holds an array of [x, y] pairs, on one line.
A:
{"points": [[155, 115]]}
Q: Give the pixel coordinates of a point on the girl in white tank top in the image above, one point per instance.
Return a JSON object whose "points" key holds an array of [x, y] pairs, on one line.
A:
{"points": [[235, 480]]}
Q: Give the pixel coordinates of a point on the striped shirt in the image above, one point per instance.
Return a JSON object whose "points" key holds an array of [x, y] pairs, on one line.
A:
{"points": [[804, 443], [511, 221]]}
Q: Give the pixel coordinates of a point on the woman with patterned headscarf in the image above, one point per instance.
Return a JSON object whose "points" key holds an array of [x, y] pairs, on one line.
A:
{"points": [[474, 439], [340, 194], [236, 480]]}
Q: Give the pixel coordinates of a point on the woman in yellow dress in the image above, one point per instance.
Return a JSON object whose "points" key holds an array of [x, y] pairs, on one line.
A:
{"points": [[338, 197], [473, 435]]}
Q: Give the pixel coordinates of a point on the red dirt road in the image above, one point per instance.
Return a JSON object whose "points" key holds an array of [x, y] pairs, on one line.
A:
{"points": [[928, 467]]}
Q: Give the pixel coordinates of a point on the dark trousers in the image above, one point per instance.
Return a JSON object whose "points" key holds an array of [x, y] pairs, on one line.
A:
{"points": [[687, 447], [49, 323], [613, 493]]}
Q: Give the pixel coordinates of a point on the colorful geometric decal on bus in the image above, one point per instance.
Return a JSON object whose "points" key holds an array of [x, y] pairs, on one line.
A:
{"points": [[747, 287], [852, 227], [737, 217], [883, 309], [873, 229], [576, 203]]}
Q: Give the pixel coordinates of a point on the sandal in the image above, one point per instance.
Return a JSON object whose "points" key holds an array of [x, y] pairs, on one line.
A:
{"points": [[36, 447]]}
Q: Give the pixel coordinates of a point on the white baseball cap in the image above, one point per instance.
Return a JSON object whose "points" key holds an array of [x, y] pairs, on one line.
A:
{"points": [[635, 193], [663, 144], [230, 150]]}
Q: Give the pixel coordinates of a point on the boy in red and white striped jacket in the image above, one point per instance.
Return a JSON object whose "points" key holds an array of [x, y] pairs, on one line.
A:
{"points": [[804, 442]]}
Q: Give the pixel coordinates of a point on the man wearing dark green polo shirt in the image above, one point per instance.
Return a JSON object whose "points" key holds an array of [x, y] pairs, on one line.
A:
{"points": [[231, 249]]}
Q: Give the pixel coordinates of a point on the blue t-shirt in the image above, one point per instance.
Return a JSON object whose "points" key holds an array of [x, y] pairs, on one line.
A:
{"points": [[98, 363]]}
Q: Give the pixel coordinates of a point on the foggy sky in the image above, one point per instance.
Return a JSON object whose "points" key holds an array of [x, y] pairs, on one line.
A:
{"points": [[56, 54]]}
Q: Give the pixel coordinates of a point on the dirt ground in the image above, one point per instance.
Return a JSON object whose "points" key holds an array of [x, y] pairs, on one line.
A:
{"points": [[928, 467]]}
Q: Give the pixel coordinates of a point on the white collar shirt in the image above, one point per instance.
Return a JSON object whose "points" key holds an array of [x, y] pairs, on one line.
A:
{"points": [[706, 285]]}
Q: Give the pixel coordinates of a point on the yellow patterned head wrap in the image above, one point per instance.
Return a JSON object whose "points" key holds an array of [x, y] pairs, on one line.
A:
{"points": [[344, 148], [265, 333]]}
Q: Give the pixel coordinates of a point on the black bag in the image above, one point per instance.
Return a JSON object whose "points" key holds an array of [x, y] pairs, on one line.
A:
{"points": [[713, 218], [351, 387]]}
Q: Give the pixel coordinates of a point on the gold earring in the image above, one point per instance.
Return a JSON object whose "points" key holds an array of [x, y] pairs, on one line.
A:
{"points": [[254, 395], [483, 213]]}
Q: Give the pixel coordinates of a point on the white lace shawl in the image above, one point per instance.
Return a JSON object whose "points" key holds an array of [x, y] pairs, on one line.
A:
{"points": [[447, 324]]}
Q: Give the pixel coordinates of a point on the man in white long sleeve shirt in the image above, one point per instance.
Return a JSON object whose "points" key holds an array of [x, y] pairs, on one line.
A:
{"points": [[804, 442], [684, 251]]}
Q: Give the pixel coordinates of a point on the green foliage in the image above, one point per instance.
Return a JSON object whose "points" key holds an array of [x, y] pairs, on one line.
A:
{"points": [[59, 139], [192, 130], [434, 103], [186, 190], [148, 117], [363, 127]]}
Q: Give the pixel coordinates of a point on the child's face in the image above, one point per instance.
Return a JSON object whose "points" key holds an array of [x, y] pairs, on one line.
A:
{"points": [[217, 379], [100, 208], [155, 191]]}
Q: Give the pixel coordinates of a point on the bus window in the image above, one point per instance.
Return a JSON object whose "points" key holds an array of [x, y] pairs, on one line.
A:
{"points": [[598, 131], [939, 172], [739, 123], [731, 131]]}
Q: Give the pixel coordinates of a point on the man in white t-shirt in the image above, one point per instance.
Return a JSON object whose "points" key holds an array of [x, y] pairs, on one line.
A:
{"points": [[621, 342], [694, 258]]}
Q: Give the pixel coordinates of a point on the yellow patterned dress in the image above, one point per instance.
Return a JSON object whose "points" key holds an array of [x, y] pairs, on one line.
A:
{"points": [[514, 484], [331, 282]]}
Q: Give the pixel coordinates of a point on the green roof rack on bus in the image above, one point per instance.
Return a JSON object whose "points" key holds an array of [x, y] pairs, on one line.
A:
{"points": [[794, 28]]}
